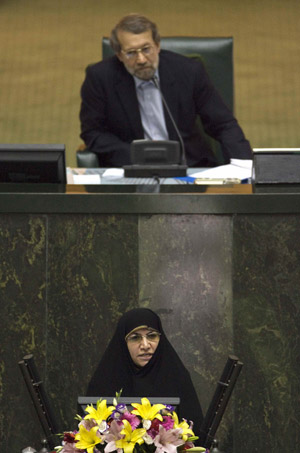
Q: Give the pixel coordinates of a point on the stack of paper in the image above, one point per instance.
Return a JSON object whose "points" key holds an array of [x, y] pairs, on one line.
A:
{"points": [[238, 169]]}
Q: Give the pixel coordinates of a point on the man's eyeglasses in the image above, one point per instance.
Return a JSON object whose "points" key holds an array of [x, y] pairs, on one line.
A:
{"points": [[135, 338], [133, 54]]}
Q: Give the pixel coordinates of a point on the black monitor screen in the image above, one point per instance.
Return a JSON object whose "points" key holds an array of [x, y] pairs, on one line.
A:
{"points": [[33, 164]]}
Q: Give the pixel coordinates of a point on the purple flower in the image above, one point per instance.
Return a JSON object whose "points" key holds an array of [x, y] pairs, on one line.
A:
{"points": [[121, 408], [170, 408]]}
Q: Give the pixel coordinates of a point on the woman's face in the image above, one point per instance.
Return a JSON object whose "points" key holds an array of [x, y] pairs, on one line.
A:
{"points": [[142, 344]]}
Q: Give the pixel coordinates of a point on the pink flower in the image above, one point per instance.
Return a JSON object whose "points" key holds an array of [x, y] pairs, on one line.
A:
{"points": [[133, 419], [168, 441], [88, 424], [70, 448], [168, 422], [113, 436]]}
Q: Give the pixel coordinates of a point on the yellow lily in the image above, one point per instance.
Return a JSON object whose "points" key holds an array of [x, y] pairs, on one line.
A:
{"points": [[186, 431], [87, 440], [130, 437], [101, 413], [146, 411]]}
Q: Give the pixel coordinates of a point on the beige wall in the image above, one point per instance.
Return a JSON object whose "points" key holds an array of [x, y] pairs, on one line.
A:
{"points": [[45, 46]]}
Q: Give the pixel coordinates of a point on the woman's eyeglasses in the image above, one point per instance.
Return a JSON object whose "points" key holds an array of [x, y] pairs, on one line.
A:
{"points": [[136, 338], [133, 54]]}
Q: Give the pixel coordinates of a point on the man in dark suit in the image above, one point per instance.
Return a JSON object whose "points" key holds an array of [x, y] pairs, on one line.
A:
{"points": [[121, 103]]}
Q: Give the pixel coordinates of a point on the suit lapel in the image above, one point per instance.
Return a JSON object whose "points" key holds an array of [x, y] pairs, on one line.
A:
{"points": [[126, 92]]}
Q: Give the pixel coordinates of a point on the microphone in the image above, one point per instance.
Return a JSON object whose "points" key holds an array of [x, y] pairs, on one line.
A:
{"points": [[157, 158], [183, 156]]}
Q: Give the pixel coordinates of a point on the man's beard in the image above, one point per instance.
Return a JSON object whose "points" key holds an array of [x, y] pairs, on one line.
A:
{"points": [[144, 73]]}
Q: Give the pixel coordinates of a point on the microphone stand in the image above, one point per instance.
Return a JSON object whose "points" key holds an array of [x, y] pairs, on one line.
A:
{"points": [[183, 156], [40, 400], [219, 402]]}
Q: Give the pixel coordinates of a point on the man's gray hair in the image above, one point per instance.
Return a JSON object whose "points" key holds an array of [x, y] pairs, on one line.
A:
{"points": [[133, 23]]}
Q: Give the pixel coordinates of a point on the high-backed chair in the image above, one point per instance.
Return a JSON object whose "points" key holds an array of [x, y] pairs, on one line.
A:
{"points": [[217, 56]]}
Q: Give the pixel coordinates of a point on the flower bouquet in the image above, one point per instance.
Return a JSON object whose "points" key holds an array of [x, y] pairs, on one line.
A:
{"points": [[144, 429]]}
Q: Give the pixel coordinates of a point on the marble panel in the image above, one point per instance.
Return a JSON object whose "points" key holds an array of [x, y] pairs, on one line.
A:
{"points": [[23, 312], [64, 282], [93, 277], [185, 276], [266, 313]]}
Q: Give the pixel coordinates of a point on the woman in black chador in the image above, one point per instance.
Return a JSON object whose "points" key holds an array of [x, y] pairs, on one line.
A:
{"points": [[140, 360]]}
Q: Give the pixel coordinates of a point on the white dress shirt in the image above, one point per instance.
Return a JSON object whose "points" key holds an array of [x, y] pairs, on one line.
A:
{"points": [[151, 110]]}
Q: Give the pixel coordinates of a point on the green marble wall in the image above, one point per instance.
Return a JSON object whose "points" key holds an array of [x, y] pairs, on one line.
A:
{"points": [[266, 315], [185, 276], [64, 281], [220, 283], [23, 320]]}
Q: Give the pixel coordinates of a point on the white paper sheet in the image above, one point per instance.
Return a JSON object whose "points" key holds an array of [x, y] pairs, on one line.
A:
{"points": [[86, 179], [237, 169], [113, 173]]}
